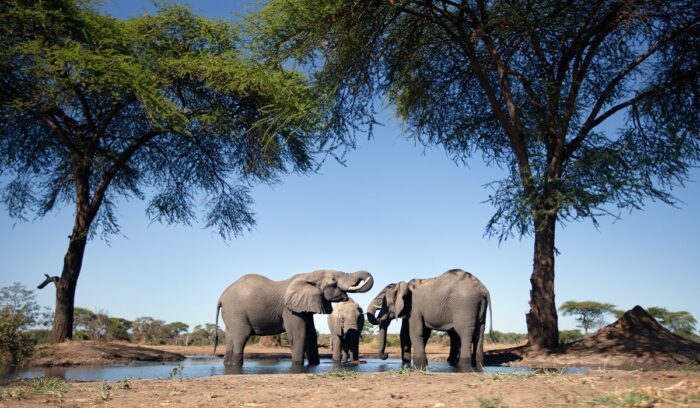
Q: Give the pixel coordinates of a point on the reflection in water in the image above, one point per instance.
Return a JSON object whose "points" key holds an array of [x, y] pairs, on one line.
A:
{"points": [[204, 366]]}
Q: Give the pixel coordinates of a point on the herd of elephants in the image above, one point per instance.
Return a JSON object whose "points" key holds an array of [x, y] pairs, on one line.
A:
{"points": [[455, 302]]}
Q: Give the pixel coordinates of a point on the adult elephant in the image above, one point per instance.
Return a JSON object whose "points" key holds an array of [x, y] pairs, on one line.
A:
{"points": [[346, 323], [256, 305], [454, 302]]}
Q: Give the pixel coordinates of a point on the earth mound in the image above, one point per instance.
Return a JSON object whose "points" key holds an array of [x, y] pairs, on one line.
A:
{"points": [[636, 340], [97, 353]]}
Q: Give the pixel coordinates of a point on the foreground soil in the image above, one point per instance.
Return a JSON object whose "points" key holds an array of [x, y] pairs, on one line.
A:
{"points": [[398, 389]]}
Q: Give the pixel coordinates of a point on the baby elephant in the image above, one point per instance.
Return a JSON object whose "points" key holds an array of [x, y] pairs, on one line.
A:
{"points": [[346, 323]]}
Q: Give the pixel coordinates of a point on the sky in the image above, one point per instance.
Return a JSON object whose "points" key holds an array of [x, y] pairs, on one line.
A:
{"points": [[395, 209]]}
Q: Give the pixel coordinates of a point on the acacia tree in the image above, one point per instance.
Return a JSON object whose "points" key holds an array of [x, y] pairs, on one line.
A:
{"points": [[527, 85], [167, 106], [588, 313]]}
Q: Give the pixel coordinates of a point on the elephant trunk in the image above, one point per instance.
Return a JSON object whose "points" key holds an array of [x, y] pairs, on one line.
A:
{"points": [[357, 282], [382, 341], [371, 312]]}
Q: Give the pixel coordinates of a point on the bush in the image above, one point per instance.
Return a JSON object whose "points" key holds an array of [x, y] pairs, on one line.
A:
{"points": [[15, 343], [569, 336], [505, 338], [19, 313]]}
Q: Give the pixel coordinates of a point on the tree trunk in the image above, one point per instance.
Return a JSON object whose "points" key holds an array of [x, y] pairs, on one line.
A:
{"points": [[66, 285], [542, 325]]}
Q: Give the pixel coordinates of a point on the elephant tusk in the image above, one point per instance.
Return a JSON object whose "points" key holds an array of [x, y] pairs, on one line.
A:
{"points": [[358, 287]]}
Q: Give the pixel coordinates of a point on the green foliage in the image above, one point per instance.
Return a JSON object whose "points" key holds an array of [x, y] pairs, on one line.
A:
{"points": [[440, 65], [493, 402], [19, 315], [505, 338], [105, 391], [50, 386], [588, 313], [176, 371], [47, 386], [569, 336], [167, 100], [338, 374], [681, 323], [146, 329], [118, 329]]}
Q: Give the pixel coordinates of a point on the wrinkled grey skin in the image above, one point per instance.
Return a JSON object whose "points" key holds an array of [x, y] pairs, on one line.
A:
{"points": [[455, 302], [256, 305], [346, 323]]}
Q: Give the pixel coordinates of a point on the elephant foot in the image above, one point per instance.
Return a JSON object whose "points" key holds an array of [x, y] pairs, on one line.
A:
{"points": [[383, 356], [314, 362]]}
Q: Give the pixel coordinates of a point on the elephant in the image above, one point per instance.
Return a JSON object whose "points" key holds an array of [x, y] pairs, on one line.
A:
{"points": [[346, 323], [455, 302], [256, 305]]}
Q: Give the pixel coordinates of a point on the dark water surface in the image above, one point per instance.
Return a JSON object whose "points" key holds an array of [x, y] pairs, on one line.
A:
{"points": [[204, 366]]}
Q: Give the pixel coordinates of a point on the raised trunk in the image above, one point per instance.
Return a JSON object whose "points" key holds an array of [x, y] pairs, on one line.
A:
{"points": [[542, 325], [357, 282]]}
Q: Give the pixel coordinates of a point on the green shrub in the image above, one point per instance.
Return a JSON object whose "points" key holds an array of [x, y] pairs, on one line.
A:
{"points": [[568, 336]]}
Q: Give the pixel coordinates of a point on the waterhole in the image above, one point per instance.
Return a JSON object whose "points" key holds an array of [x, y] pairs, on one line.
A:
{"points": [[204, 366]]}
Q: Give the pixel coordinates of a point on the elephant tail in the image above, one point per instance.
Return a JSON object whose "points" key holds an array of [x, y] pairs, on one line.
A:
{"points": [[216, 325]]}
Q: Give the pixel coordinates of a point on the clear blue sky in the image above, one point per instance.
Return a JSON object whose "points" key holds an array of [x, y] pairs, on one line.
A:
{"points": [[396, 210]]}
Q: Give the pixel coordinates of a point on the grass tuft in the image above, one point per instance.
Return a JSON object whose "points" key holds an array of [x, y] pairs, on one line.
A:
{"points": [[485, 402], [51, 386]]}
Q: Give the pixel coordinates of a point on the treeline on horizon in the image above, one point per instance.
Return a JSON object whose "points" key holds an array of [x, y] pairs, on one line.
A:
{"points": [[24, 325]]}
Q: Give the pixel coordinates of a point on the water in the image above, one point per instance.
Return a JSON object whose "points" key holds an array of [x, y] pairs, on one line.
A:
{"points": [[205, 366]]}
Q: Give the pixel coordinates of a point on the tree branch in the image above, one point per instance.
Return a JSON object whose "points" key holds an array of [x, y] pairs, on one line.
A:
{"points": [[593, 119], [48, 280]]}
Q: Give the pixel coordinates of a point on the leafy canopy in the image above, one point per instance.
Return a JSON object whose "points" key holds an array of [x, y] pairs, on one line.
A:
{"points": [[526, 85], [93, 109]]}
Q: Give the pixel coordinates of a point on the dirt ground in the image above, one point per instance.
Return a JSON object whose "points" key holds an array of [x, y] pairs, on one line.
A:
{"points": [[397, 389]]}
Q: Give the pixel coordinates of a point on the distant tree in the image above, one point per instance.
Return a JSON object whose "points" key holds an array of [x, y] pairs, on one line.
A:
{"points": [[588, 313], [19, 313], [118, 329], [94, 109], [526, 85], [82, 319], [681, 323], [176, 329], [149, 330], [658, 313]]}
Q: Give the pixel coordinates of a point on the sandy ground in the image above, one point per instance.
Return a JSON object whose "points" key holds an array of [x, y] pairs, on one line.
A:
{"points": [[398, 389]]}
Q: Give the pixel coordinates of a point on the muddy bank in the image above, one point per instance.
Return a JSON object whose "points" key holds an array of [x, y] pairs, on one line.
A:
{"points": [[96, 354]]}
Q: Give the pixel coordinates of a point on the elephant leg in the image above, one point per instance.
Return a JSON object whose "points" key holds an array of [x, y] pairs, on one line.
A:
{"points": [[478, 341], [418, 340], [311, 341], [355, 347], [405, 337], [466, 334], [455, 342], [346, 350], [295, 326], [235, 344], [335, 345]]}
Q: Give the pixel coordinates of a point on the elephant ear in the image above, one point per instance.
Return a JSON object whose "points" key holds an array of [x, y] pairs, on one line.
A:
{"points": [[402, 302], [302, 296]]}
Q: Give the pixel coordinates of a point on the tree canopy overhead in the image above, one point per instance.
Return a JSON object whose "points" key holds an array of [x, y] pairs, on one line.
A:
{"points": [[527, 86], [165, 107]]}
